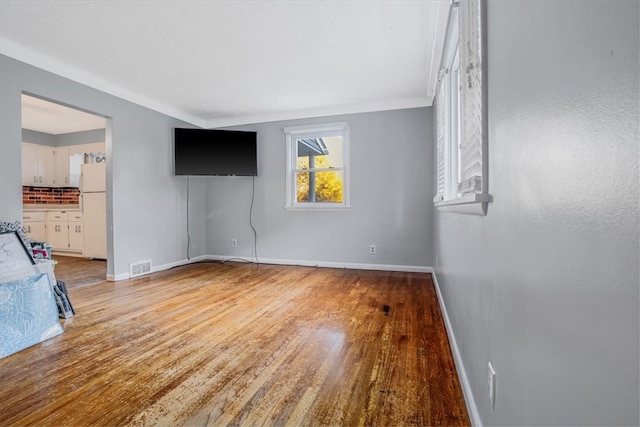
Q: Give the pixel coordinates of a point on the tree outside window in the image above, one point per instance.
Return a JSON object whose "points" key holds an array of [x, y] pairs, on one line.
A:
{"points": [[317, 161]]}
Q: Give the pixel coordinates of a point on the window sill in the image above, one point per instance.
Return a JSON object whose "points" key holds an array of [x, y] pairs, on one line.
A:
{"points": [[317, 207], [471, 204]]}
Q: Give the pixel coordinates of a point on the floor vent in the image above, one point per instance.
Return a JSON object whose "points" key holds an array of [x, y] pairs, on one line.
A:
{"points": [[139, 268]]}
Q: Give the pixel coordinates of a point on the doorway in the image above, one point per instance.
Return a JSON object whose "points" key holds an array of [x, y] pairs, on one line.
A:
{"points": [[64, 187]]}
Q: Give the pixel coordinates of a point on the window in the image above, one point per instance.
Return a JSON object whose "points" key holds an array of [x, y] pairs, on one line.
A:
{"points": [[461, 180], [318, 166]]}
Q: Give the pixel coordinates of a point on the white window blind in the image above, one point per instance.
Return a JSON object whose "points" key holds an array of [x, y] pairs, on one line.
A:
{"points": [[461, 142], [470, 173], [440, 142]]}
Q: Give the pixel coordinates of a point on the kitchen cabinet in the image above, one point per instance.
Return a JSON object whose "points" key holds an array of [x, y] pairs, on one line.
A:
{"points": [[65, 231], [34, 224], [37, 165], [44, 166], [76, 236], [58, 230], [29, 164], [61, 167]]}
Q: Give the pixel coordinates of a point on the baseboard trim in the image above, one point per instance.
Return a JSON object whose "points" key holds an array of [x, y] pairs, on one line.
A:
{"points": [[302, 263], [161, 267], [325, 264], [474, 414]]}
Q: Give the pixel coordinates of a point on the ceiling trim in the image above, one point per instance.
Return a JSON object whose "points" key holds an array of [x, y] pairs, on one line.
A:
{"points": [[47, 63], [396, 104]]}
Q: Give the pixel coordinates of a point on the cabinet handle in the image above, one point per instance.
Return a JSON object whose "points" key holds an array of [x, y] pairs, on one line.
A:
{"points": [[40, 179], [66, 179], [35, 179]]}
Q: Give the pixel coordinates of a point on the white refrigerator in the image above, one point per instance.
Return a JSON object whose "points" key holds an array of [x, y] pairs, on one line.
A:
{"points": [[94, 209]]}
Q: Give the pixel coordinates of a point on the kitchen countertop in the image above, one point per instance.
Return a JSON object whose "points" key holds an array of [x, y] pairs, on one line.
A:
{"points": [[40, 208]]}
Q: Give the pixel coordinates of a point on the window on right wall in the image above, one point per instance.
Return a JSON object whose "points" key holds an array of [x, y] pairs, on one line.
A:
{"points": [[461, 131]]}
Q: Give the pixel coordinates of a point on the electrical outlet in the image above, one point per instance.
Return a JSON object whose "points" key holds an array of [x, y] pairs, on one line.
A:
{"points": [[234, 242], [372, 249], [491, 383]]}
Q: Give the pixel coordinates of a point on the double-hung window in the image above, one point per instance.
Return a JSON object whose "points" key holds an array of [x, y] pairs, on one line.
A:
{"points": [[317, 166], [461, 139]]}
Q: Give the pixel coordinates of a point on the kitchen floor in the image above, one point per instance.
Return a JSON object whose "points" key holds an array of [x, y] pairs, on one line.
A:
{"points": [[77, 272]]}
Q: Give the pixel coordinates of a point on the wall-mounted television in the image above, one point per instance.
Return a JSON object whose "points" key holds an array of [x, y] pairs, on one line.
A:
{"points": [[215, 152]]}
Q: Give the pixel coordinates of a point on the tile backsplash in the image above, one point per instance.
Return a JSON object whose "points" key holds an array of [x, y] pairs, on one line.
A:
{"points": [[50, 196]]}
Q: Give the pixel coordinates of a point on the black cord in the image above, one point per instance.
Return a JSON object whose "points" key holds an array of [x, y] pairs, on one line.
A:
{"points": [[188, 235], [255, 234]]}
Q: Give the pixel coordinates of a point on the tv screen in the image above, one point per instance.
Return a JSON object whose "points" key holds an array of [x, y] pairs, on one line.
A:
{"points": [[215, 152]]}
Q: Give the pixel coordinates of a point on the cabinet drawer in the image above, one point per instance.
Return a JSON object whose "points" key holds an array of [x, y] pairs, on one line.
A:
{"points": [[75, 216], [33, 216], [57, 216]]}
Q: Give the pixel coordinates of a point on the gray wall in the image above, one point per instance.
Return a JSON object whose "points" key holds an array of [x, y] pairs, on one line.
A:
{"points": [[62, 140], [147, 204], [546, 285], [391, 178], [39, 138], [83, 137]]}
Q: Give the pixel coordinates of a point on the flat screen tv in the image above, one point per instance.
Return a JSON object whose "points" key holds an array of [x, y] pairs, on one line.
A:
{"points": [[215, 152]]}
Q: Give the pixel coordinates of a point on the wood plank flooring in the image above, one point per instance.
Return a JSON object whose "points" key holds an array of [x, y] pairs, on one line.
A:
{"points": [[76, 271], [239, 344]]}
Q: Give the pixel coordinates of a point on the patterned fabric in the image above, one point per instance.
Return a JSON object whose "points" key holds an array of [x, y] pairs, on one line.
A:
{"points": [[28, 313]]}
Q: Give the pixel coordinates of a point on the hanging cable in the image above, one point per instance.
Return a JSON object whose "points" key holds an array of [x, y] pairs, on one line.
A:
{"points": [[188, 235], [255, 234]]}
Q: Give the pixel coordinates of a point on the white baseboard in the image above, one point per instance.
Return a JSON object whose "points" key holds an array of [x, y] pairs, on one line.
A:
{"points": [[474, 414], [161, 267], [178, 263], [326, 264], [303, 263]]}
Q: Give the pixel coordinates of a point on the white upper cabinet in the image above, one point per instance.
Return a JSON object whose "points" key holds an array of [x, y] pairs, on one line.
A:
{"points": [[29, 164], [61, 176], [44, 166], [37, 165]]}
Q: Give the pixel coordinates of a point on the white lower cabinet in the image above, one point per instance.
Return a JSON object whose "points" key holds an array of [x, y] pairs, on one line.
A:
{"points": [[34, 224], [64, 231], [76, 237]]}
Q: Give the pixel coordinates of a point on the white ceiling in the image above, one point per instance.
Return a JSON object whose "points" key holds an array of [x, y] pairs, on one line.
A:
{"points": [[219, 63], [56, 119]]}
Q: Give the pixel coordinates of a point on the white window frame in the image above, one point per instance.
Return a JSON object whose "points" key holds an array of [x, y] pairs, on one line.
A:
{"points": [[454, 191], [293, 134]]}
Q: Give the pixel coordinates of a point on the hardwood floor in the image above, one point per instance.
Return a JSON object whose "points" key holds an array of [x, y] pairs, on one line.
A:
{"points": [[239, 344], [76, 271]]}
